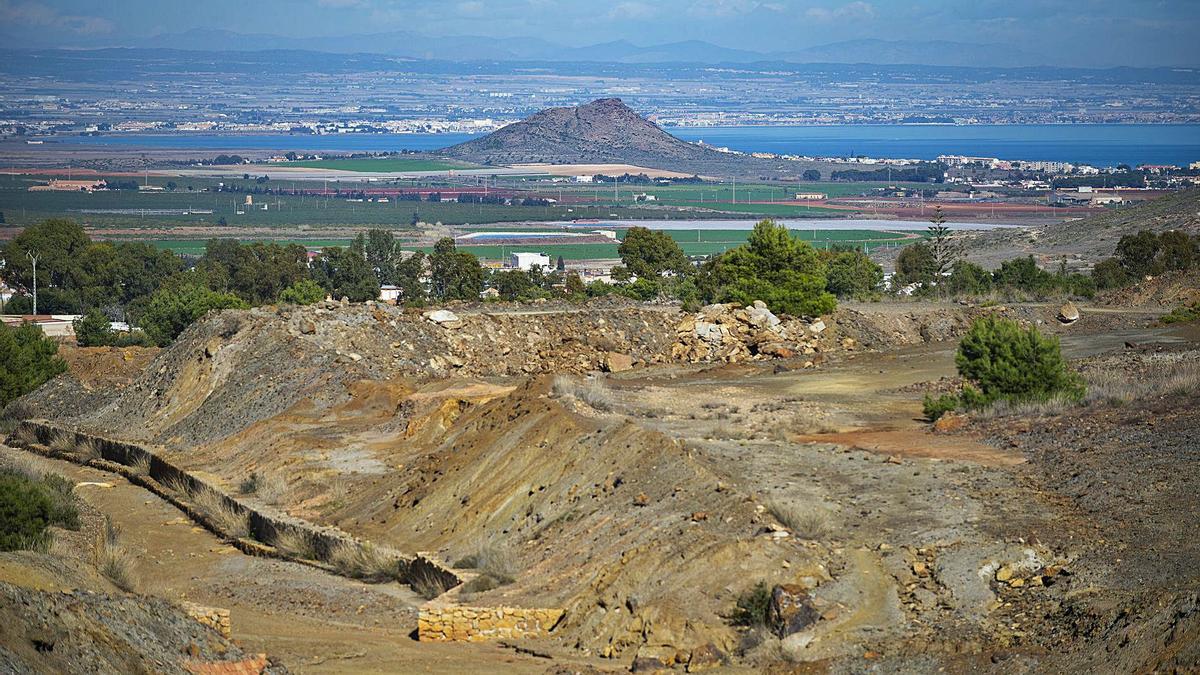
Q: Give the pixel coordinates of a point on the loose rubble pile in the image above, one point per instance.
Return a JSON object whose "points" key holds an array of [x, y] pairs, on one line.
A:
{"points": [[732, 333]]}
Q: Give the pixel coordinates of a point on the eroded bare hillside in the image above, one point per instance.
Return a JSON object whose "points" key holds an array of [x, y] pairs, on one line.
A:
{"points": [[647, 501]]}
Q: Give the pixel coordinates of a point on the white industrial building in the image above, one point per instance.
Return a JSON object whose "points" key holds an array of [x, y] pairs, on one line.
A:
{"points": [[525, 261]]}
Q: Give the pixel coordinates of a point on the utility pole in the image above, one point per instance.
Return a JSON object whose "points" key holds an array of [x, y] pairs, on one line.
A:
{"points": [[34, 258]]}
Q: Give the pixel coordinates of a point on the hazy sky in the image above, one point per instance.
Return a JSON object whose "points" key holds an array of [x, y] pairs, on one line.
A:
{"points": [[1138, 32]]}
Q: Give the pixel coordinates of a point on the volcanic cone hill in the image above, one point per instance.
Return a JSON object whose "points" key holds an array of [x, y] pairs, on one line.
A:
{"points": [[603, 131]]}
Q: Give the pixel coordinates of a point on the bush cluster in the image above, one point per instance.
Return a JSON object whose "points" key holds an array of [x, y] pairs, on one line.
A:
{"points": [[27, 359], [1000, 361], [28, 506]]}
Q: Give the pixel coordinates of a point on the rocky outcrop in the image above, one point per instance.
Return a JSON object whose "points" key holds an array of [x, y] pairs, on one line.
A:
{"points": [[732, 333], [1068, 313]]}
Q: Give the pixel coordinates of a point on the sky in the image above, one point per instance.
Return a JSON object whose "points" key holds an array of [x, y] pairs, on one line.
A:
{"points": [[1104, 32]]}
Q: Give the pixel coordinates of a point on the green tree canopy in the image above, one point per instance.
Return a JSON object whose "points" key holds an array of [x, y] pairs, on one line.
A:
{"points": [[853, 275], [1109, 273], [915, 264], [1138, 254], [455, 275], [172, 309], [93, 329], [1178, 251], [57, 243], [345, 273], [303, 292], [775, 267], [256, 272], [512, 284], [648, 253], [410, 278], [383, 255], [968, 279]]}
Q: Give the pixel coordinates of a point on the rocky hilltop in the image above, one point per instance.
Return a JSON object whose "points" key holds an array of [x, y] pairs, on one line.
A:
{"points": [[605, 131]]}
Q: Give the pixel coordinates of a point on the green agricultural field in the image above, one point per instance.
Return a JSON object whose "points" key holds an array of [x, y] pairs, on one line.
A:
{"points": [[723, 194], [693, 242], [133, 209], [380, 164]]}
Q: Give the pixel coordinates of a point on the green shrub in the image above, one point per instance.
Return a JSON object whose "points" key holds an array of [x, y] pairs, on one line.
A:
{"points": [[1002, 361], [1109, 274], [853, 275], [1185, 314], [753, 606], [94, 330], [936, 407], [303, 292], [27, 359], [29, 506]]}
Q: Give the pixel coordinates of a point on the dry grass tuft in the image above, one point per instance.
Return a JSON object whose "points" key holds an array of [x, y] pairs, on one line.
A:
{"points": [[366, 562], [178, 485], [113, 561], [492, 560], [25, 436], [339, 491], [141, 465], [1055, 405], [28, 465], [270, 488], [62, 441], [592, 392], [230, 520], [427, 584], [806, 522], [1168, 377], [89, 448], [1160, 379], [296, 543]]}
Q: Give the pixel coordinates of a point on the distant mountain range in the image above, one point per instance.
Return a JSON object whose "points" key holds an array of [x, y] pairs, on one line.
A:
{"points": [[477, 48]]}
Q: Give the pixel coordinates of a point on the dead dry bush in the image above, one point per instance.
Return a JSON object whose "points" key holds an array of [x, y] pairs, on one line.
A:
{"points": [[724, 431], [592, 392], [805, 521], [12, 414]]}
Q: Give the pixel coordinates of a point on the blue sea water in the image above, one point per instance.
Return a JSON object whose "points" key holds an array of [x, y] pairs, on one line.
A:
{"points": [[1096, 144]]}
